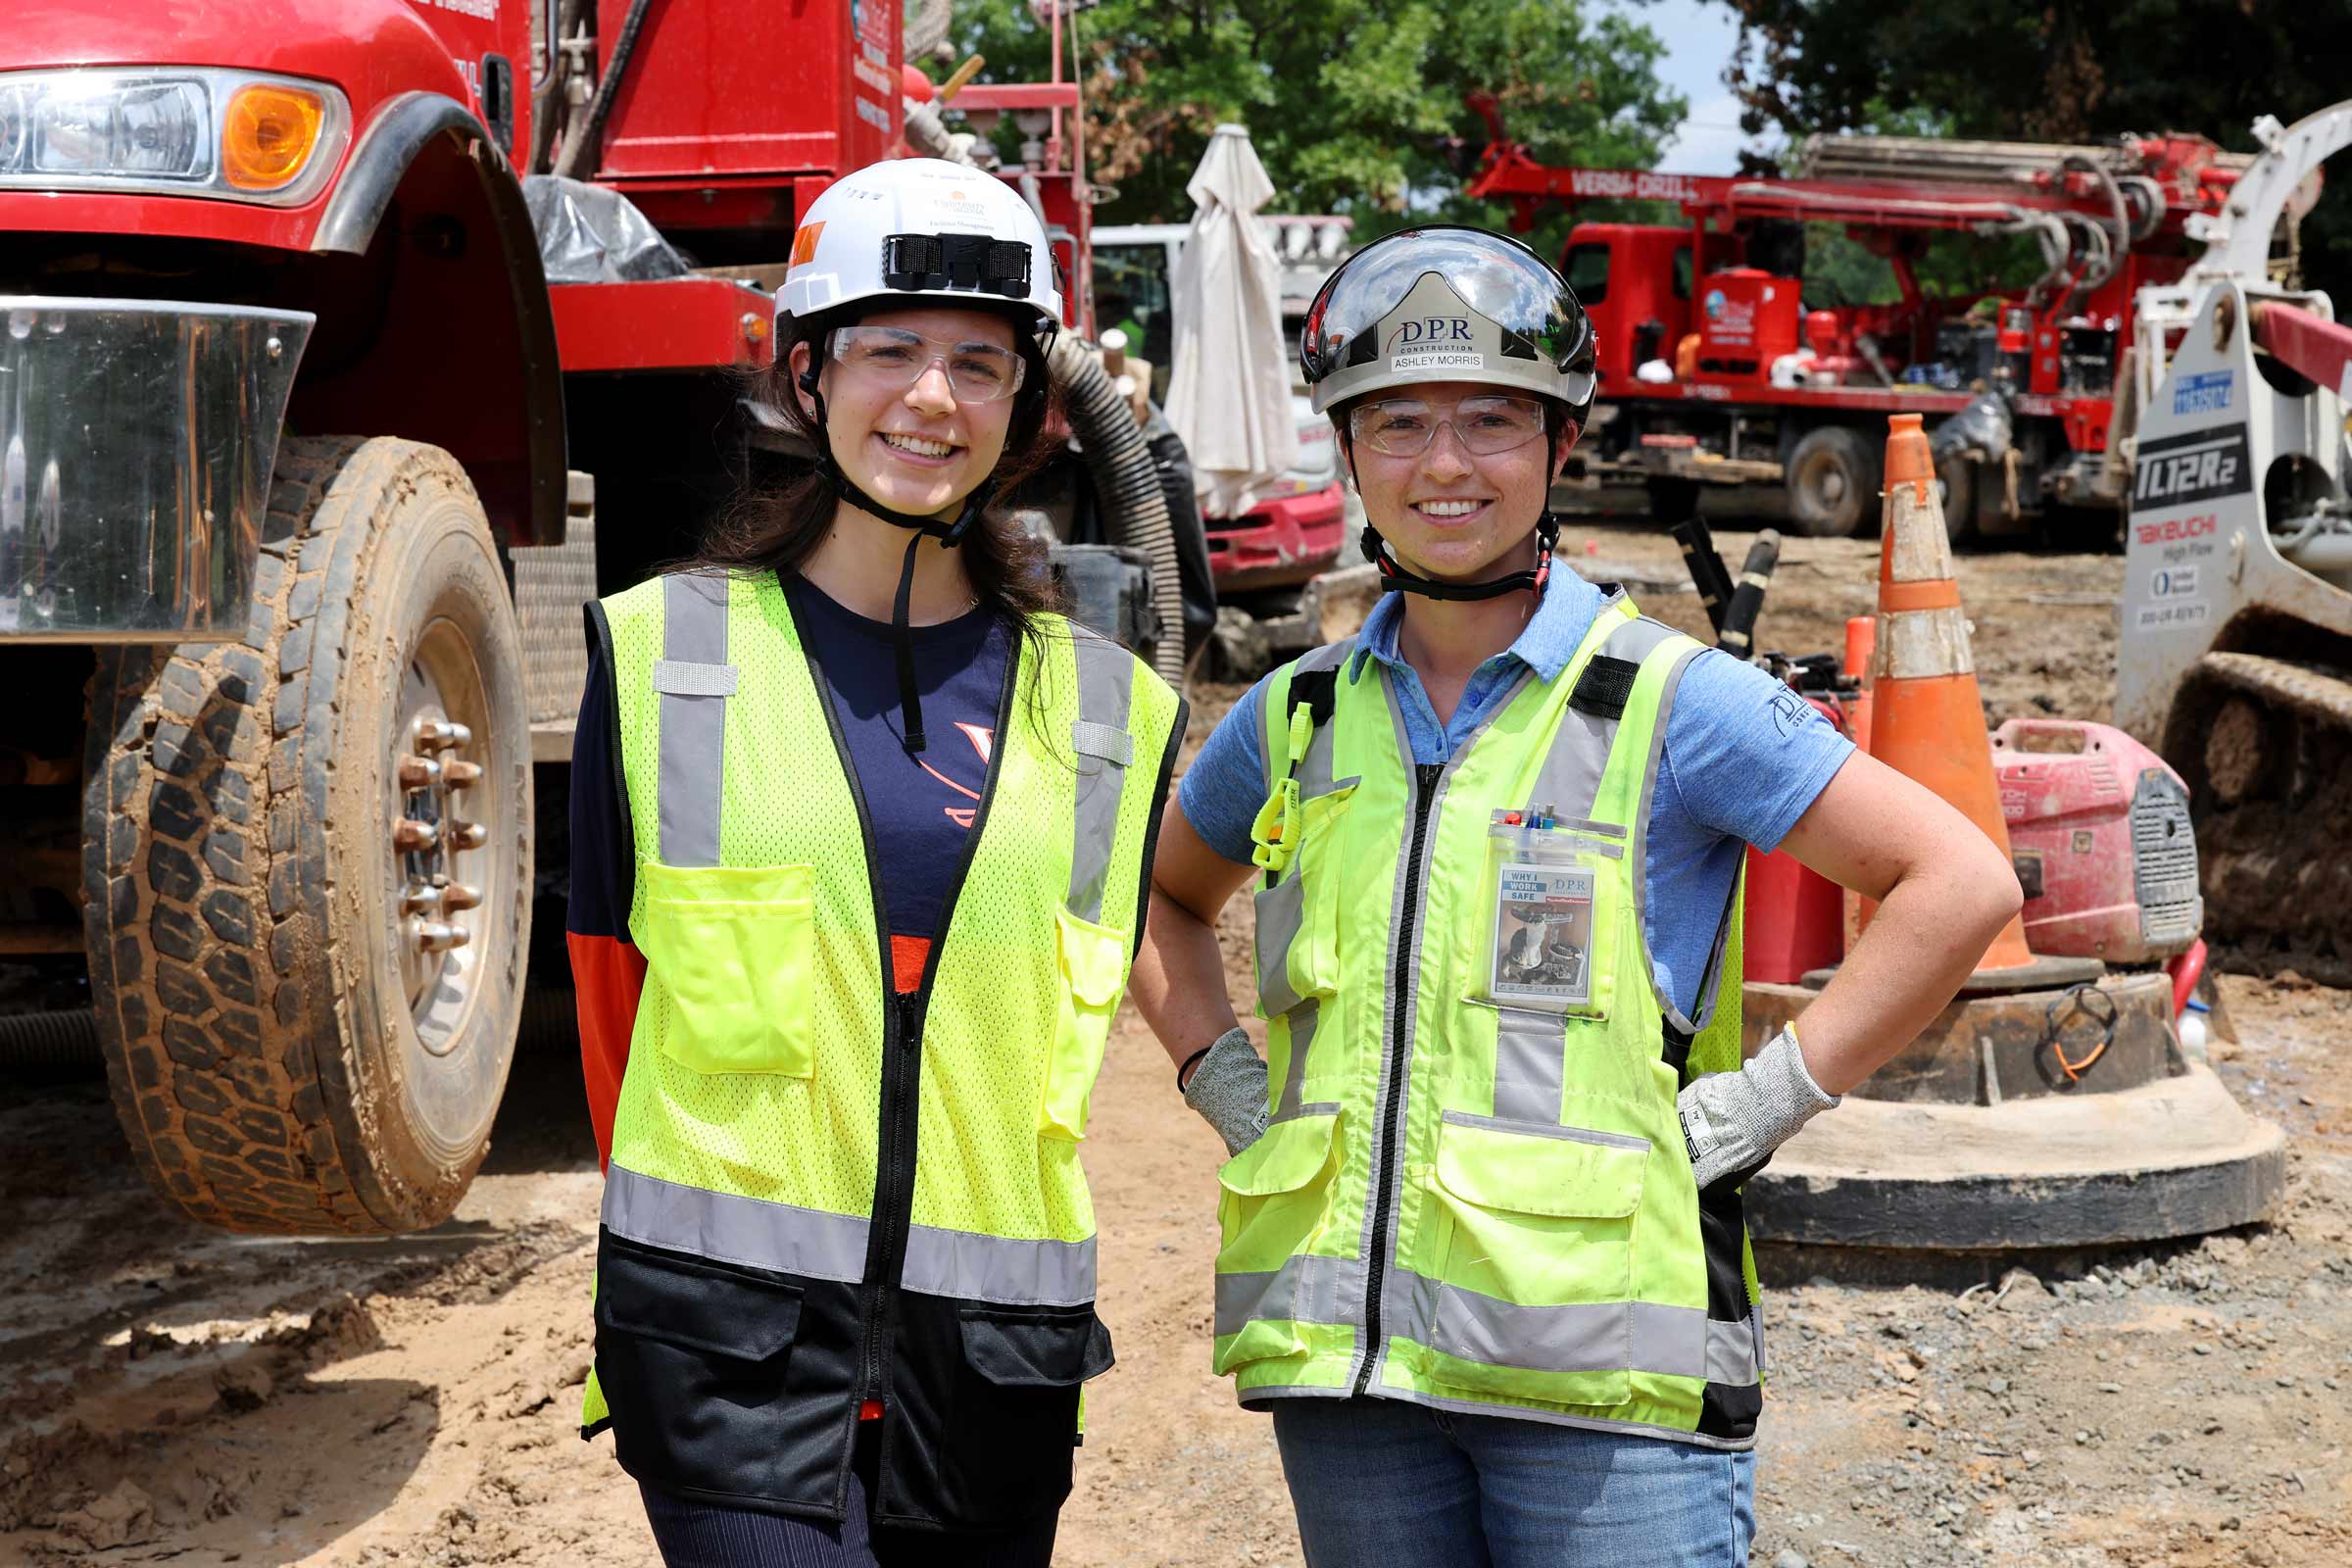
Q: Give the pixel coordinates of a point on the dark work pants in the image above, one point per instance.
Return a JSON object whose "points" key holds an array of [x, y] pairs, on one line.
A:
{"points": [[691, 1534]]}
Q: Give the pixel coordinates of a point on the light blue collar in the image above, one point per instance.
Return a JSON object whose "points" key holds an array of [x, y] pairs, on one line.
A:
{"points": [[1544, 645]]}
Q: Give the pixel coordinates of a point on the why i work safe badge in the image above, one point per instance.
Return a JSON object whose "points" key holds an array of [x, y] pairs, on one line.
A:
{"points": [[1541, 943]]}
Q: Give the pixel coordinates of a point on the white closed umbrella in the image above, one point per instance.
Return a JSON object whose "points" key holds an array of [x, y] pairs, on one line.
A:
{"points": [[1229, 390]]}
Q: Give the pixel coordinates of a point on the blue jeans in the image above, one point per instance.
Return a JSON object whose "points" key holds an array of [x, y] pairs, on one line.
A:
{"points": [[1380, 1482]]}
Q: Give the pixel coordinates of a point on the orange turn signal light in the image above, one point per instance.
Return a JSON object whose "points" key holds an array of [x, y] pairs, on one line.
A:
{"points": [[268, 134]]}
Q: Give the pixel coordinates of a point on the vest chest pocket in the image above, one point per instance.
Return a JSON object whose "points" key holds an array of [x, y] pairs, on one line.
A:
{"points": [[735, 949], [1298, 918], [1092, 961]]}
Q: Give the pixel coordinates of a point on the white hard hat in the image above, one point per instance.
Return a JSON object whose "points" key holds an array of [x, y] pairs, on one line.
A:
{"points": [[919, 228]]}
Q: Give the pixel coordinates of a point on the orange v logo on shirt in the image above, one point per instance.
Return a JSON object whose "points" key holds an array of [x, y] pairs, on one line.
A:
{"points": [[984, 742]]}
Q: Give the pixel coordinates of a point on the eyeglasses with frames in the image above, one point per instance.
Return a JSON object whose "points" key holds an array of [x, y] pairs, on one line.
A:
{"points": [[1403, 427], [895, 358]]}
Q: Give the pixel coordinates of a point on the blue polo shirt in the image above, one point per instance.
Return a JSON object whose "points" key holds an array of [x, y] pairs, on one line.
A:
{"points": [[1745, 757]]}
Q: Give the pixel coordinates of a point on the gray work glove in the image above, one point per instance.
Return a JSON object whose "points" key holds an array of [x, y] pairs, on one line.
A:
{"points": [[1228, 1090], [1733, 1121]]}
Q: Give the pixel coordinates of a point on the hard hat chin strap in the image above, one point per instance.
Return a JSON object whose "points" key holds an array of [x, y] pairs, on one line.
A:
{"points": [[949, 533], [1393, 578]]}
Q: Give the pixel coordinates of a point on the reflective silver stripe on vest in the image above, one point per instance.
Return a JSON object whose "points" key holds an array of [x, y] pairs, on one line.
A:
{"points": [[763, 1234], [694, 716], [752, 1231], [1106, 685], [1306, 1288], [1587, 1336], [1531, 1048], [1569, 781], [1530, 1053], [1281, 908]]}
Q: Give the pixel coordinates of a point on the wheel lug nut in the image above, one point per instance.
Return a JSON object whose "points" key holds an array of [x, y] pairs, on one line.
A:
{"points": [[439, 735], [433, 936], [458, 775], [467, 835], [422, 898], [412, 836], [460, 895], [418, 773]]}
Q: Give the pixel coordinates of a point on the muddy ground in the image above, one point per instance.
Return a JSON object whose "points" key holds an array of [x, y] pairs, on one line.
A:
{"points": [[170, 1393]]}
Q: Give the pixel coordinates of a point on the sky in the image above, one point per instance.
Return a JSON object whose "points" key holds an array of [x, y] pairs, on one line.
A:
{"points": [[1698, 35]]}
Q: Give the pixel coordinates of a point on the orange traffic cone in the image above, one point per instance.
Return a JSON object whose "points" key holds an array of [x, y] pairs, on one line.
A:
{"points": [[1926, 719]]}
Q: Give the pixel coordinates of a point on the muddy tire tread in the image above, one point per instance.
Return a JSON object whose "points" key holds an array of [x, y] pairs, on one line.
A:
{"points": [[203, 867]]}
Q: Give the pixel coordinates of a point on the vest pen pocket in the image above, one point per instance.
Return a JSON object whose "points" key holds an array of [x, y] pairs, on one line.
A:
{"points": [[731, 955], [1092, 961], [1548, 905], [1296, 913]]}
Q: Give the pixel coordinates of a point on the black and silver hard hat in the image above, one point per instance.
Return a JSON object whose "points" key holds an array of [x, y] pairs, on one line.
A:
{"points": [[1445, 303]]}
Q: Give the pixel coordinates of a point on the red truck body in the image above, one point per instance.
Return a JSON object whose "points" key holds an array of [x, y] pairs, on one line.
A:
{"points": [[315, 469]]}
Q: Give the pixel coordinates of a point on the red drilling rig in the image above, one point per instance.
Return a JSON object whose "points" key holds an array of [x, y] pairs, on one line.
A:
{"points": [[1723, 362]]}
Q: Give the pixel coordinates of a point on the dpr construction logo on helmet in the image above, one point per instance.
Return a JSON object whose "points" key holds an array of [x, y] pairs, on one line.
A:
{"points": [[1433, 343]]}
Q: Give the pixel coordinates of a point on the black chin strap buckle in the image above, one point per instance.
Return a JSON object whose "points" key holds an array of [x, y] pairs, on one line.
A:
{"points": [[1393, 578]]}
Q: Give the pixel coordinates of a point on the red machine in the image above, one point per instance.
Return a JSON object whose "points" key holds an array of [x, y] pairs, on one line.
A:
{"points": [[1716, 369], [2100, 831], [312, 469]]}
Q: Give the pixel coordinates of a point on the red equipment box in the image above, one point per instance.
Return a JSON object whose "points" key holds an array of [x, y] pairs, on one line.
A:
{"points": [[1747, 318], [720, 93], [2100, 831]]}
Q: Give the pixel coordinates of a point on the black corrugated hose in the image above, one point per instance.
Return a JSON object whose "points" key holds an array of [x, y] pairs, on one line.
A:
{"points": [[1126, 487], [572, 165]]}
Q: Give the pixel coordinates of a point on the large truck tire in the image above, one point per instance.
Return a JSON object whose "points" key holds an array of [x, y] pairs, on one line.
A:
{"points": [[1833, 482], [307, 966]]}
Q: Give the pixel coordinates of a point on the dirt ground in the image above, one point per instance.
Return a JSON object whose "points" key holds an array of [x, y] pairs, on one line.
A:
{"points": [[170, 1393]]}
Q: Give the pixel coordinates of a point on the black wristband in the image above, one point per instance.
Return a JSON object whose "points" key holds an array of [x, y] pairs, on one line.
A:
{"points": [[1192, 1061]]}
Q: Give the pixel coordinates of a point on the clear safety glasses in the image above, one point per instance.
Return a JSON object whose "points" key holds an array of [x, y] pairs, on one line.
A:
{"points": [[894, 358], [1403, 427]]}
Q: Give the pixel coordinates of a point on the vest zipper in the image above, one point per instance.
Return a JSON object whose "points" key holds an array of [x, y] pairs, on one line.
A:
{"points": [[1425, 784], [894, 1185], [902, 1014]]}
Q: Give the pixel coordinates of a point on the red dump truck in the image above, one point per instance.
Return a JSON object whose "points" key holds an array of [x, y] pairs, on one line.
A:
{"points": [[306, 468]]}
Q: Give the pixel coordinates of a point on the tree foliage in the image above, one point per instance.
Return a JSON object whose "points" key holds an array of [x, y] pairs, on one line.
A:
{"points": [[2071, 71], [1355, 106]]}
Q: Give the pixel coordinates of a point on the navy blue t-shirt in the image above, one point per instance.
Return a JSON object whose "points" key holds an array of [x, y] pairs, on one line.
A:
{"points": [[922, 808]]}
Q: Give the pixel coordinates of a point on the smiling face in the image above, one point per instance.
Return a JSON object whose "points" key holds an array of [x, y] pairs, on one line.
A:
{"points": [[915, 447], [1449, 512]]}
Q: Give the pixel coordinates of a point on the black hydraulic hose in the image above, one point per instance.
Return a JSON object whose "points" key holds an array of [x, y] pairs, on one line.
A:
{"points": [[576, 152], [1707, 573], [1736, 633], [1126, 487], [50, 1044]]}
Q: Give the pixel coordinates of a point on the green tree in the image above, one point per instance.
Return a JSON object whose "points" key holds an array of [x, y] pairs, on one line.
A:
{"points": [[2071, 71], [1355, 105]]}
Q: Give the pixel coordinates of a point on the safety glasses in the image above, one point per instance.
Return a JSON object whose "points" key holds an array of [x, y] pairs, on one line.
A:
{"points": [[892, 357], [1403, 427]]}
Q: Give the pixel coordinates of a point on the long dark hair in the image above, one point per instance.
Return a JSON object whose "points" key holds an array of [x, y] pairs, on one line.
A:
{"points": [[776, 529]]}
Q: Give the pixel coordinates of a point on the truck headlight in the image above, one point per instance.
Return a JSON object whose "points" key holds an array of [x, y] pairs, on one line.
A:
{"points": [[233, 135]]}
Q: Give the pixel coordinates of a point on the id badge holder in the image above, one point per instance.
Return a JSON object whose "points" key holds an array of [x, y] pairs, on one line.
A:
{"points": [[1543, 915]]}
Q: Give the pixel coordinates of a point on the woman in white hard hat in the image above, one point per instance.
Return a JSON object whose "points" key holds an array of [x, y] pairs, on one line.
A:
{"points": [[862, 834], [1483, 1253]]}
